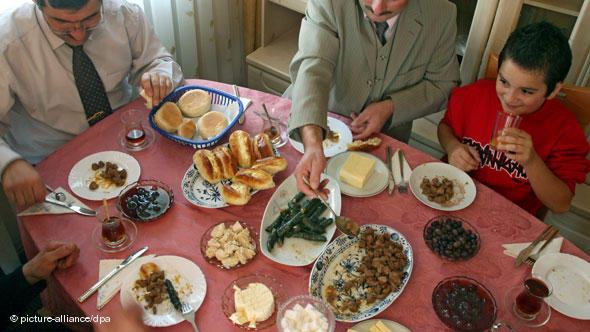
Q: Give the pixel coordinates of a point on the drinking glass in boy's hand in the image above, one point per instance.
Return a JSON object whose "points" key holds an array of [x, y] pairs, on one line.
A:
{"points": [[517, 144], [464, 157]]}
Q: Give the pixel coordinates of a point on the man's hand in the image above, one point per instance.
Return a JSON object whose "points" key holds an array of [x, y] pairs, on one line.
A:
{"points": [[371, 119], [23, 184], [156, 85], [517, 144], [313, 162], [464, 157], [56, 254]]}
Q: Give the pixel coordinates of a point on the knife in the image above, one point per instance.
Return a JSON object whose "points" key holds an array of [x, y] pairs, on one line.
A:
{"points": [[242, 117], [78, 209], [524, 253], [390, 181], [106, 278]]}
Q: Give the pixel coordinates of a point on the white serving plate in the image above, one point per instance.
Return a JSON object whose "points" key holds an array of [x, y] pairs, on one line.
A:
{"points": [[374, 185], [331, 148]]}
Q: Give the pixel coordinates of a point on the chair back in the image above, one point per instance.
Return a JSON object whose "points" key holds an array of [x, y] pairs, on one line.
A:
{"points": [[575, 98]]}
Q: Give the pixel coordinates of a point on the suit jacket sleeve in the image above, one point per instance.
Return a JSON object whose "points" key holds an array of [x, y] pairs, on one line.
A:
{"points": [[15, 294], [441, 76]]}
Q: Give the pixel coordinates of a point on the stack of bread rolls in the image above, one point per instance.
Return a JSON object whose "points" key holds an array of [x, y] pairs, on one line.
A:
{"points": [[178, 118], [255, 159]]}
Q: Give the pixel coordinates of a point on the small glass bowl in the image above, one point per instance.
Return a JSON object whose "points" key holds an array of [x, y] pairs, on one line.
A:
{"points": [[228, 223], [303, 300], [430, 243], [229, 307], [441, 299], [164, 200]]}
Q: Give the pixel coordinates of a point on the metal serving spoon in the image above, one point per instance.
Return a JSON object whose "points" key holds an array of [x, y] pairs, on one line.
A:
{"points": [[344, 224]]}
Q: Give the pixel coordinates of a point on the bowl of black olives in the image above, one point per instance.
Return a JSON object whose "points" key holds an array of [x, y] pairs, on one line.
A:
{"points": [[451, 238], [145, 200]]}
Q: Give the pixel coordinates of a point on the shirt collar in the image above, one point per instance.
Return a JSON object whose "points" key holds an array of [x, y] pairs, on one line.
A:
{"points": [[390, 22]]}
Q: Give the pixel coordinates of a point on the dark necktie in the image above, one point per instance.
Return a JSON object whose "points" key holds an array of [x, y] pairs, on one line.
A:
{"points": [[380, 28], [90, 87]]}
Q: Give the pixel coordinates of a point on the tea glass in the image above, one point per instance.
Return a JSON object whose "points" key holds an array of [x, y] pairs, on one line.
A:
{"points": [[526, 302], [134, 136], [113, 232], [503, 120], [275, 131]]}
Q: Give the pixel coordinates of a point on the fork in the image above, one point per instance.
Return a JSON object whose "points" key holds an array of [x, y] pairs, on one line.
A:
{"points": [[401, 187], [188, 312], [532, 259]]}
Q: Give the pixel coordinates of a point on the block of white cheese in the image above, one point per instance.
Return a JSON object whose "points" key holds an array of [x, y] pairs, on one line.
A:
{"points": [[357, 169], [253, 304], [379, 327]]}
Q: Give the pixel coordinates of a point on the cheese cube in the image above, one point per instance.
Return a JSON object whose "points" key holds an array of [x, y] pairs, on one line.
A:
{"points": [[351, 330], [356, 170]]}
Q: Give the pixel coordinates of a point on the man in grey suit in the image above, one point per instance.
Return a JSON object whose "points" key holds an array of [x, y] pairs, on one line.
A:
{"points": [[391, 60]]}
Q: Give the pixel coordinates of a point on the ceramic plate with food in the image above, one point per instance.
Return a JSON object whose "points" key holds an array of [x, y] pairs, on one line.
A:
{"points": [[335, 142], [187, 279], [335, 277], [82, 175], [463, 193], [296, 251], [375, 183], [229, 244]]}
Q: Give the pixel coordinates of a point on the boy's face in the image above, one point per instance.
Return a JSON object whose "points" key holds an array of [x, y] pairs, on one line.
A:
{"points": [[521, 91]]}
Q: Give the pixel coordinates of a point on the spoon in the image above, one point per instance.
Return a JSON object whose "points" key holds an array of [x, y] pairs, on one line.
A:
{"points": [[58, 195], [273, 130], [344, 224]]}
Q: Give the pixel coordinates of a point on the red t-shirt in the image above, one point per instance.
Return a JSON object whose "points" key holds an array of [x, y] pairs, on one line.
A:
{"points": [[557, 137]]}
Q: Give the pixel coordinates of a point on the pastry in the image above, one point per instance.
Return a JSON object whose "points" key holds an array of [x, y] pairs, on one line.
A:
{"points": [[271, 165], [364, 145], [240, 144], [168, 117], [187, 129], [195, 103], [237, 193], [211, 124], [228, 162], [255, 178], [208, 165], [262, 146]]}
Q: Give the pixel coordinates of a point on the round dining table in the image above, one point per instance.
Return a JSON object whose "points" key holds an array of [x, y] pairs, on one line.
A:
{"points": [[179, 231]]}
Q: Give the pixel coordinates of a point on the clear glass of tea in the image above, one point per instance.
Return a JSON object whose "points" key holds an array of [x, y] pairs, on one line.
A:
{"points": [[503, 120], [113, 232], [135, 136], [526, 302]]}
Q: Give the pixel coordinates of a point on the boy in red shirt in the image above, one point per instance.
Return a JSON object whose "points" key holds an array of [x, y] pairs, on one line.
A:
{"points": [[540, 162]]}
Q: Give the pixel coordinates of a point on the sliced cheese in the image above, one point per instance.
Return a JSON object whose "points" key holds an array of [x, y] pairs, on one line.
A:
{"points": [[351, 330], [379, 327], [253, 304], [356, 170]]}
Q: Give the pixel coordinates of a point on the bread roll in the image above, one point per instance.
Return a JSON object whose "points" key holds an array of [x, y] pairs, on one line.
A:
{"points": [[271, 165], [187, 129], [146, 270], [237, 193], [366, 145], [168, 117], [240, 144], [208, 165], [228, 162], [195, 103], [262, 146], [255, 178], [148, 99], [211, 124]]}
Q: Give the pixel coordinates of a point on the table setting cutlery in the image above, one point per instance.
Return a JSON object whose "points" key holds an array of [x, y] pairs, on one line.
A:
{"points": [[402, 188], [400, 170], [533, 257], [390, 181], [58, 201], [245, 101], [188, 312], [526, 252]]}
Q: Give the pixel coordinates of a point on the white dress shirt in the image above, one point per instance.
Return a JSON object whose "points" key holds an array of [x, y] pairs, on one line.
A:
{"points": [[40, 108]]}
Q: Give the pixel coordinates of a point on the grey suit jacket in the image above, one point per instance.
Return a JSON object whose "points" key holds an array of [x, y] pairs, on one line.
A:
{"points": [[341, 67]]}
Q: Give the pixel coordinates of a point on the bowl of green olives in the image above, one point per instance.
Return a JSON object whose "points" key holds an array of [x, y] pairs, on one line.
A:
{"points": [[145, 200], [451, 238]]}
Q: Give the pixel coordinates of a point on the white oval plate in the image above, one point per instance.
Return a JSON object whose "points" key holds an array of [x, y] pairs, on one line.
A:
{"points": [[463, 183], [374, 185], [191, 287], [364, 326], [81, 174], [295, 251], [331, 148], [570, 277], [343, 256]]}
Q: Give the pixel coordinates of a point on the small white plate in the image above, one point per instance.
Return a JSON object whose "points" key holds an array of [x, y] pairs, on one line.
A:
{"points": [[82, 174], [295, 251], [570, 277], [364, 326], [464, 188], [374, 185], [331, 148], [188, 280]]}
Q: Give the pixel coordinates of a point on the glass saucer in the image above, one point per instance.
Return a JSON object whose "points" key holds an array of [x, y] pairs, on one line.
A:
{"points": [[150, 137], [509, 303], [130, 231]]}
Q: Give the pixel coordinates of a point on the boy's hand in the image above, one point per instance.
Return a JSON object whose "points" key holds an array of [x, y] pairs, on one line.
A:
{"points": [[464, 157], [517, 144]]}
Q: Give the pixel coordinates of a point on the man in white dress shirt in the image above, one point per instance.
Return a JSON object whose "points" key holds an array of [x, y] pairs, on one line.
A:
{"points": [[64, 65]]}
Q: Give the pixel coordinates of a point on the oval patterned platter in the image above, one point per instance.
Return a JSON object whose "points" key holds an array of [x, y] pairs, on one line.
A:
{"points": [[338, 263]]}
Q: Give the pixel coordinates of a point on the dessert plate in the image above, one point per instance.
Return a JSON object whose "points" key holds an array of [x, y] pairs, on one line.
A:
{"points": [[335, 146], [375, 183]]}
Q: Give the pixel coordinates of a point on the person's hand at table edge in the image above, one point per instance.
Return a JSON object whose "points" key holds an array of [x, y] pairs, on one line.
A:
{"points": [[23, 184], [156, 85], [56, 255], [464, 157], [313, 162], [371, 120]]}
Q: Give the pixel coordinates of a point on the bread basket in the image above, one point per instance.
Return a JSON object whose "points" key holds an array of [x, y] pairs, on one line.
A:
{"points": [[218, 99]]}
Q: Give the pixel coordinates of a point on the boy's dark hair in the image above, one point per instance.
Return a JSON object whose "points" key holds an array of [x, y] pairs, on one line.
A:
{"points": [[64, 4], [539, 46]]}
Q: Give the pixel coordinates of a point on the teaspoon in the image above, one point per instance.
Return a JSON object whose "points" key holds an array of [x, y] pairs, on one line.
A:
{"points": [[58, 195]]}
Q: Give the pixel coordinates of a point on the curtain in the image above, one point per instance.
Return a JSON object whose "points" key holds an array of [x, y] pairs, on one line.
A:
{"points": [[252, 13], [205, 36]]}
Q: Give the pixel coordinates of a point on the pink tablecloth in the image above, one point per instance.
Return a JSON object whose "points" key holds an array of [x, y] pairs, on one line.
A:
{"points": [[178, 232]]}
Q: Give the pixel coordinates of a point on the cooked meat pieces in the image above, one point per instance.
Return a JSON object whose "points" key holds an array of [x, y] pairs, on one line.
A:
{"points": [[155, 286], [437, 190]]}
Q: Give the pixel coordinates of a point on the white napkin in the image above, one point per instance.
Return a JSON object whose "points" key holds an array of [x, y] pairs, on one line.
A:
{"points": [[395, 165], [49, 208], [107, 291], [514, 249], [246, 102]]}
